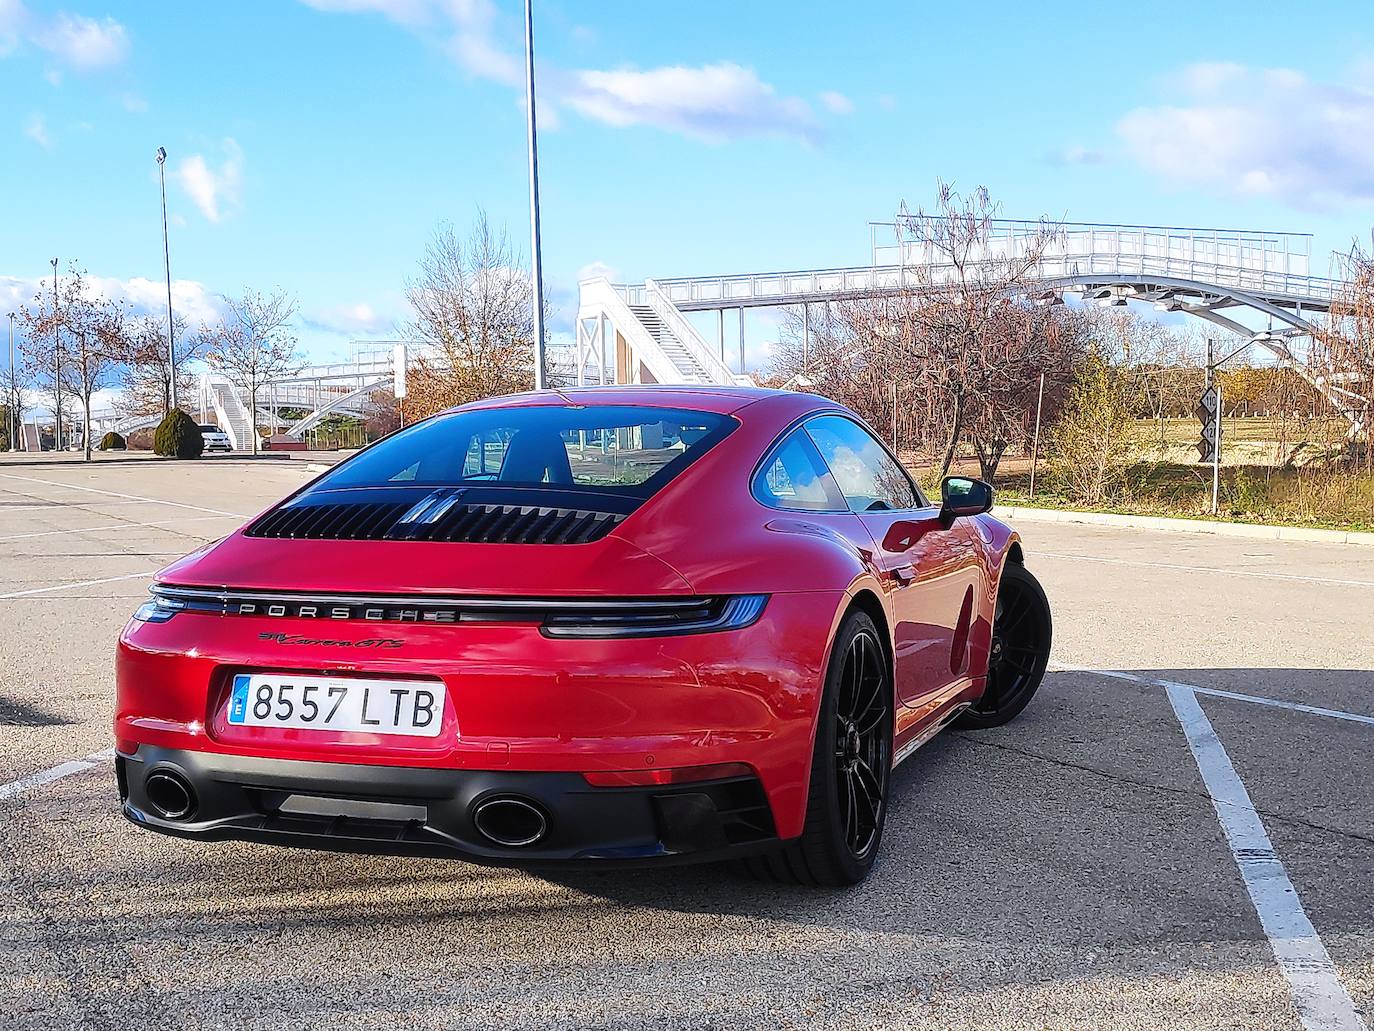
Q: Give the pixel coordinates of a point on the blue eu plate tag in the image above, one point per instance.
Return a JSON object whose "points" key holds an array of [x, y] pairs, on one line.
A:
{"points": [[238, 701]]}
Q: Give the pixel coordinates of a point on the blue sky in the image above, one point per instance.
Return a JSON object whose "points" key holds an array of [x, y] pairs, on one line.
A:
{"points": [[314, 145]]}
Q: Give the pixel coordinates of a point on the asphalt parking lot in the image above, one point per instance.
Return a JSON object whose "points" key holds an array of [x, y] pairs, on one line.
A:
{"points": [[1188, 843]]}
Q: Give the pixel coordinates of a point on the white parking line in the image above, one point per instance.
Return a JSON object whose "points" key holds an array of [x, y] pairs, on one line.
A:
{"points": [[113, 526], [79, 583], [66, 769], [1322, 1001], [131, 497], [1292, 577], [53, 506], [1314, 710]]}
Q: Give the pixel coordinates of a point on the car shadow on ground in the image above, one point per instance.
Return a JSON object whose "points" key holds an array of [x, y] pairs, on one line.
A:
{"points": [[1086, 820]]}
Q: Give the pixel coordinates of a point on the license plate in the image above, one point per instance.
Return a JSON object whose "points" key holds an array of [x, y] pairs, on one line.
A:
{"points": [[413, 707]]}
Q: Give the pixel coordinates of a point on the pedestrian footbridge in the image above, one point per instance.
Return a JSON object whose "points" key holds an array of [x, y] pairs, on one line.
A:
{"points": [[641, 333]]}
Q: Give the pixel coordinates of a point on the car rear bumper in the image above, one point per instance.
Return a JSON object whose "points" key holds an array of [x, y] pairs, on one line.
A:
{"points": [[515, 701], [432, 812]]}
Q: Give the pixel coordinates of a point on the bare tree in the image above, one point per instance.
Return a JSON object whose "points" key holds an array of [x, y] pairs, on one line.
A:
{"points": [[474, 309], [147, 375], [252, 344], [955, 351], [1344, 351], [89, 335]]}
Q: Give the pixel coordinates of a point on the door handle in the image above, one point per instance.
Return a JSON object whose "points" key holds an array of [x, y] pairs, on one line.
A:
{"points": [[904, 574]]}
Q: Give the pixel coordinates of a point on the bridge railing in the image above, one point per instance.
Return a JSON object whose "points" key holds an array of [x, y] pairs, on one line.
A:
{"points": [[757, 289]]}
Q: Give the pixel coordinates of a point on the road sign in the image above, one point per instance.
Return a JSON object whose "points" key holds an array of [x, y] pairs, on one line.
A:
{"points": [[1208, 414]]}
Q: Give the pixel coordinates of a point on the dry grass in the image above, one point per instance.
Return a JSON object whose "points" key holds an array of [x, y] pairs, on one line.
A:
{"points": [[1253, 488]]}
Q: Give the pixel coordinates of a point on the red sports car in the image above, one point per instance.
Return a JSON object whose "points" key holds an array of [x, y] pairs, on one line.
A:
{"points": [[609, 624]]}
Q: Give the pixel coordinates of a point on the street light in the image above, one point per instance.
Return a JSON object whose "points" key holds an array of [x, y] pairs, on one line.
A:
{"points": [[167, 266], [57, 365], [536, 269], [11, 423]]}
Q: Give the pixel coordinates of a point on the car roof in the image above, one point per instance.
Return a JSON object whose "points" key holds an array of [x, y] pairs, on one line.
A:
{"points": [[721, 399]]}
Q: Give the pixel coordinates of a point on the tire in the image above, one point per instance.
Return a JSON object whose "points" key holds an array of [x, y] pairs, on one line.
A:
{"points": [[851, 768], [1022, 632]]}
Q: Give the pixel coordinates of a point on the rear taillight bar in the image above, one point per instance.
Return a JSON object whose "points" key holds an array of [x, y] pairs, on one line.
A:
{"points": [[603, 618]]}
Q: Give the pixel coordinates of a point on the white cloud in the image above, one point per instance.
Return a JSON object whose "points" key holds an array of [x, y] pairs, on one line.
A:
{"points": [[598, 270], [133, 103], [36, 129], [348, 319], [1269, 132], [837, 103], [403, 12], [214, 190], [474, 47], [13, 18], [75, 40], [145, 296], [1077, 154], [84, 43], [713, 103]]}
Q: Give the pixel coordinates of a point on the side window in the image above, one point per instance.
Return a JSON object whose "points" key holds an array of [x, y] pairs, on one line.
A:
{"points": [[794, 477], [867, 475]]}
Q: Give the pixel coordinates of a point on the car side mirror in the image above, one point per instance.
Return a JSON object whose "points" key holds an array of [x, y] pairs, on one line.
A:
{"points": [[963, 496]]}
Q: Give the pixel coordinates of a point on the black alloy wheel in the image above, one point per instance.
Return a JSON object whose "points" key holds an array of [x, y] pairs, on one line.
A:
{"points": [[1018, 653], [862, 755], [851, 765]]}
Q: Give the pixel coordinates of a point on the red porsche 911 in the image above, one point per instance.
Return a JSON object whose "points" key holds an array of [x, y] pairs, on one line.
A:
{"points": [[617, 624]]}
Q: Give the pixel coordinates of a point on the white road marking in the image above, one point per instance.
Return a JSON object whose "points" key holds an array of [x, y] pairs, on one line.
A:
{"points": [[1322, 1001], [53, 506], [1292, 577], [1314, 710], [79, 583], [66, 769], [112, 526], [131, 497]]}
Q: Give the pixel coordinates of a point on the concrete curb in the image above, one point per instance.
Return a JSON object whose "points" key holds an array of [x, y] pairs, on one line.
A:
{"points": [[1252, 530]]}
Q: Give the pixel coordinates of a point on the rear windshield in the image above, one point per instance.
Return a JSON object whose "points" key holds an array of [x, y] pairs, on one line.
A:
{"points": [[622, 450]]}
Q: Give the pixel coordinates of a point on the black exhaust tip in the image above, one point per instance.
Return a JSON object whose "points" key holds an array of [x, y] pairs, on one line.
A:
{"points": [[510, 821], [170, 794]]}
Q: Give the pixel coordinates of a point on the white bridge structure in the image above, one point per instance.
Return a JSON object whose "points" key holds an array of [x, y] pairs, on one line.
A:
{"points": [[640, 333], [341, 388], [650, 332]]}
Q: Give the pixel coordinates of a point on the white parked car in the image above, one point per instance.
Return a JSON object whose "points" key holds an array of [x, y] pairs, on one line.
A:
{"points": [[215, 438]]}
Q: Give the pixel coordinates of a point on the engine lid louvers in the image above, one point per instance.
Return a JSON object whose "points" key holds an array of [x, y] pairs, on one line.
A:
{"points": [[441, 515]]}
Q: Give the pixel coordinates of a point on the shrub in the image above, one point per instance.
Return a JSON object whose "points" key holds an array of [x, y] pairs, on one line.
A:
{"points": [[1092, 443], [140, 440], [113, 441], [178, 436]]}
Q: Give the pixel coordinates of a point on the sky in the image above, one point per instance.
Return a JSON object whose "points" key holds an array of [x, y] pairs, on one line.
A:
{"points": [[314, 145]]}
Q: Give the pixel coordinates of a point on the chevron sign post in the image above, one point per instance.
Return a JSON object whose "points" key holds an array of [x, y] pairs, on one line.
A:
{"points": [[1208, 412], [1208, 407]]}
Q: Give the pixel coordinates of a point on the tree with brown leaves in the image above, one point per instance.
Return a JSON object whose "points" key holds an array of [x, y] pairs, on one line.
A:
{"points": [[86, 332], [474, 318]]}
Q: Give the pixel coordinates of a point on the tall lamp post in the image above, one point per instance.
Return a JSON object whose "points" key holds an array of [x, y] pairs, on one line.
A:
{"points": [[57, 364], [536, 267], [12, 422], [167, 267]]}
